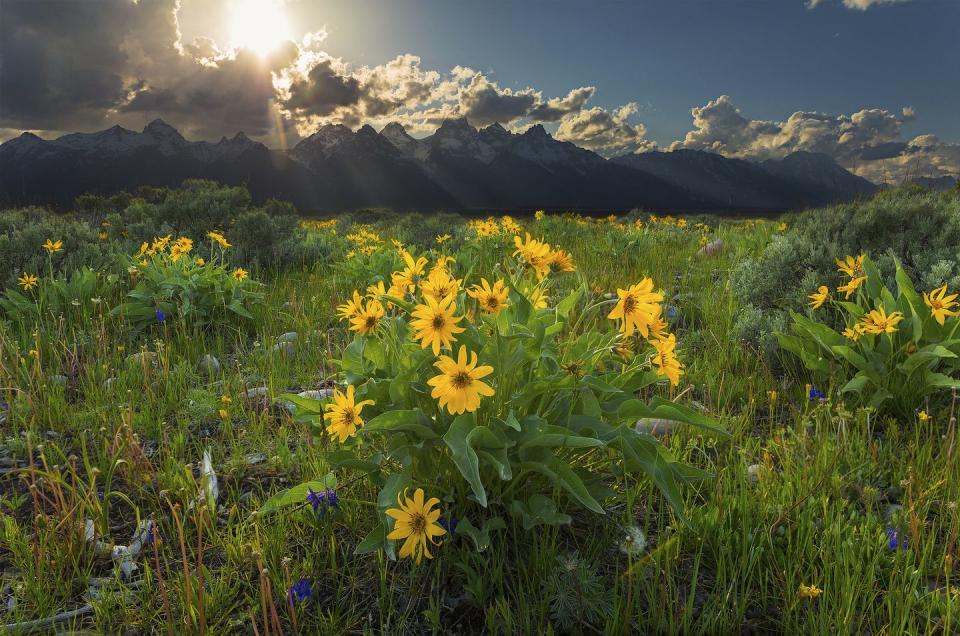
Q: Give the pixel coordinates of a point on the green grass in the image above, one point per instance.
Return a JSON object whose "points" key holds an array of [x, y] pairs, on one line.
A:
{"points": [[825, 486]]}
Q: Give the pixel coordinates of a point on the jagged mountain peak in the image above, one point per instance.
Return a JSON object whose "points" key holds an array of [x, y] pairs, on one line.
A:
{"points": [[161, 129], [536, 131], [394, 128], [455, 123]]}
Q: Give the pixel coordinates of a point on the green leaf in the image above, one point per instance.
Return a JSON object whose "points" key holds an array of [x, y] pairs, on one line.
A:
{"points": [[464, 456], [375, 540], [538, 510], [305, 405], [479, 536], [297, 494], [856, 385], [557, 437], [659, 408], [410, 421], [567, 304], [560, 474]]}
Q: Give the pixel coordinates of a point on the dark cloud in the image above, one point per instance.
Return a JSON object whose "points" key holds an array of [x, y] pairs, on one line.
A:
{"points": [[483, 103], [883, 151], [323, 91], [44, 81], [557, 108]]}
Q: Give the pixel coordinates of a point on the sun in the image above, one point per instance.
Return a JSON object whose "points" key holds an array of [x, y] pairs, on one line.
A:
{"points": [[259, 25]]}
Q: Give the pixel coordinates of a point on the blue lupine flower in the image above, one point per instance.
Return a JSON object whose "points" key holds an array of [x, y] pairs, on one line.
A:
{"points": [[301, 591], [4, 406], [895, 540], [326, 498], [150, 535], [161, 317], [450, 526], [817, 394]]}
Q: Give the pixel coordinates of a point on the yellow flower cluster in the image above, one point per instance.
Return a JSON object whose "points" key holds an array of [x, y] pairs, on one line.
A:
{"points": [[364, 239], [483, 228], [321, 226], [853, 268], [540, 257], [809, 591], [639, 309], [434, 323], [670, 220], [181, 246], [218, 238]]}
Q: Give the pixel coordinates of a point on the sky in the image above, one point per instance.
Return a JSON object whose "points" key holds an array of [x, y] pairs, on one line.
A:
{"points": [[874, 83]]}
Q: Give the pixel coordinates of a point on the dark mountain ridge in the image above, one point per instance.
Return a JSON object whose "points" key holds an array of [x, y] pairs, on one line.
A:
{"points": [[458, 167]]}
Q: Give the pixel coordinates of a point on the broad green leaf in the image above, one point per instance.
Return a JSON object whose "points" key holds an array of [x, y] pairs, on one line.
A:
{"points": [[409, 421], [297, 494], [464, 456], [538, 510]]}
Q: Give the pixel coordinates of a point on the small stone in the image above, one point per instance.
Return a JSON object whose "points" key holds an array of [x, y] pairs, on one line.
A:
{"points": [[108, 383], [208, 365], [753, 473], [655, 427], [60, 380], [290, 336], [316, 394], [257, 392], [255, 458], [712, 248], [288, 348]]}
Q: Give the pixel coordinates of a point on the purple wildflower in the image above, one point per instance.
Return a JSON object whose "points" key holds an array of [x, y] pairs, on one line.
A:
{"points": [[301, 591], [450, 526], [817, 394], [161, 317], [894, 540], [326, 498]]}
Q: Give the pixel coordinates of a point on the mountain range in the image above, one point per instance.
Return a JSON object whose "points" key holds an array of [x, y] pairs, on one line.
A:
{"points": [[459, 167]]}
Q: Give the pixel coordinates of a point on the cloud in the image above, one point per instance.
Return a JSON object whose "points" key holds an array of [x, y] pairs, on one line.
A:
{"points": [[858, 141], [482, 102], [44, 83], [558, 107], [608, 133], [859, 5], [922, 156], [323, 91]]}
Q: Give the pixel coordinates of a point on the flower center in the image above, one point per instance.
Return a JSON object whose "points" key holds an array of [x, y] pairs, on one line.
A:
{"points": [[371, 322], [418, 523], [462, 380], [438, 322], [349, 415], [629, 304], [492, 302]]}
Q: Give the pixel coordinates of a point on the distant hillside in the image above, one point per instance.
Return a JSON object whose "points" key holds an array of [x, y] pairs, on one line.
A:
{"points": [[458, 167]]}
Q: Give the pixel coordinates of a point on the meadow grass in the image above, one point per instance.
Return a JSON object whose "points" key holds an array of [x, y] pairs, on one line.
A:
{"points": [[802, 495]]}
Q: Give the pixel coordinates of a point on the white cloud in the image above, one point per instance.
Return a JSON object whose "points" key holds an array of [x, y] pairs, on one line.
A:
{"points": [[608, 133], [859, 5], [866, 142]]}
